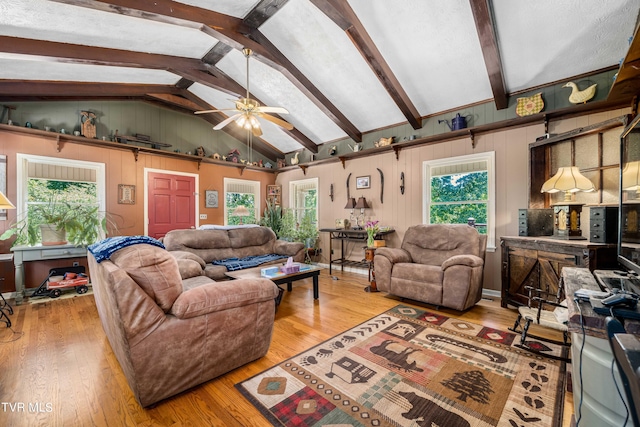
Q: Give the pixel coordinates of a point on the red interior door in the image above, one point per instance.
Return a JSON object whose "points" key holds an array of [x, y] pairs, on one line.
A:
{"points": [[172, 203]]}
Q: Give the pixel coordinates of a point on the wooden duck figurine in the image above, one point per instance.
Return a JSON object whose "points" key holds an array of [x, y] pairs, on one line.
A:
{"points": [[580, 96], [294, 159]]}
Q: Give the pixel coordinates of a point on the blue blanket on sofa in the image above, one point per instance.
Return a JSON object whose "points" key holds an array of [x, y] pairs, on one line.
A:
{"points": [[235, 264], [105, 248]]}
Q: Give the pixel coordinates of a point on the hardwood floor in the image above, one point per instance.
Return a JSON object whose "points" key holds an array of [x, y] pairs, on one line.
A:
{"points": [[60, 370]]}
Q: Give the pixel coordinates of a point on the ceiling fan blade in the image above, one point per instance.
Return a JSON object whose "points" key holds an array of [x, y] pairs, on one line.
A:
{"points": [[277, 110], [279, 122], [226, 122]]}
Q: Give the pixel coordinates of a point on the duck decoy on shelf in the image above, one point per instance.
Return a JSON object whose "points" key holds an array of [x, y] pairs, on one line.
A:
{"points": [[294, 159], [580, 96]]}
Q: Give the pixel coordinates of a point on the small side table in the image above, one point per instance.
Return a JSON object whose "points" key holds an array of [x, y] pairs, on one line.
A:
{"points": [[369, 253]]}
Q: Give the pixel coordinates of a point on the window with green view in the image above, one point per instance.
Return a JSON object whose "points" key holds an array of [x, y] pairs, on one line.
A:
{"points": [[458, 189]]}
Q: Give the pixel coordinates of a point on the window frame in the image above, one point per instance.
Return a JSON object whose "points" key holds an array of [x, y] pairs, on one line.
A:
{"points": [[256, 193], [292, 197], [490, 158], [22, 178]]}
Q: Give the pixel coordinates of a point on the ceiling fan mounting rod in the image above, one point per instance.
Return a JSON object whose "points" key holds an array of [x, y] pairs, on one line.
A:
{"points": [[247, 53]]}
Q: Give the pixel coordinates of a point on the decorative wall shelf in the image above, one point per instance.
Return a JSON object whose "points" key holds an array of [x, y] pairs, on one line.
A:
{"points": [[62, 139], [470, 133]]}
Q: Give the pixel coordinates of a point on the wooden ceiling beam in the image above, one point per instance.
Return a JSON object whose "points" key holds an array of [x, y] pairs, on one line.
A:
{"points": [[490, 51], [344, 16], [44, 88], [231, 31]]}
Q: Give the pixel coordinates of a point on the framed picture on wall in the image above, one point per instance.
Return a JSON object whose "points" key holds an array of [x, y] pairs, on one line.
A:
{"points": [[211, 199], [363, 182], [126, 194]]}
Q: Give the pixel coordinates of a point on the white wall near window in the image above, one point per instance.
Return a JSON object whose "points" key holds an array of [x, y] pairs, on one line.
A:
{"points": [[463, 164]]}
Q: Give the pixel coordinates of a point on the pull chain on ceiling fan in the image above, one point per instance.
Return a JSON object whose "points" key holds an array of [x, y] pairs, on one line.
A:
{"points": [[248, 110]]}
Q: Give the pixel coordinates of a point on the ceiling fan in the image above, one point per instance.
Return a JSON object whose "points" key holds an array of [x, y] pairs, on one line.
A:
{"points": [[248, 110]]}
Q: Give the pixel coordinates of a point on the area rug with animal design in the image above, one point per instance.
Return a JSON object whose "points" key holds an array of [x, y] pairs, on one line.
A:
{"points": [[412, 367]]}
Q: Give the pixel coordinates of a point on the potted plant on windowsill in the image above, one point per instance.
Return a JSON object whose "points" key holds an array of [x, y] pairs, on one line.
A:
{"points": [[61, 223]]}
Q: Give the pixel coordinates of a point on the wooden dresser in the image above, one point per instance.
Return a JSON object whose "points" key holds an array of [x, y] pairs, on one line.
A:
{"points": [[538, 262]]}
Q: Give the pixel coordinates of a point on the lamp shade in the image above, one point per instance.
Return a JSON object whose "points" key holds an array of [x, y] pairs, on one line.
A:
{"points": [[240, 211], [5, 203], [569, 180], [351, 203], [631, 176], [362, 203]]}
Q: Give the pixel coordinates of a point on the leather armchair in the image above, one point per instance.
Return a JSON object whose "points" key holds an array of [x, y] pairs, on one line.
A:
{"points": [[440, 264], [170, 335]]}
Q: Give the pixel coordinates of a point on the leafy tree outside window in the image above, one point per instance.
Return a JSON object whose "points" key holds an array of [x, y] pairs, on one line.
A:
{"points": [[459, 188], [304, 199], [240, 192], [456, 198]]}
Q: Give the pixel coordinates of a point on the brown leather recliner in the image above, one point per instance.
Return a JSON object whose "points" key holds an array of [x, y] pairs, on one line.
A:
{"points": [[440, 264], [170, 335]]}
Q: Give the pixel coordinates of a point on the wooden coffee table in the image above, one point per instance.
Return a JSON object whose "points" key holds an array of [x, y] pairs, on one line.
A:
{"points": [[254, 273]]}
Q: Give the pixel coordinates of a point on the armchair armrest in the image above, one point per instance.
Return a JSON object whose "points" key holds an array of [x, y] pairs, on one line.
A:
{"points": [[394, 255], [219, 296], [282, 247], [468, 260]]}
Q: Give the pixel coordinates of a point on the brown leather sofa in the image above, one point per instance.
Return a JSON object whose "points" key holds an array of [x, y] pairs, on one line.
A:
{"points": [[440, 264], [205, 246], [170, 335]]}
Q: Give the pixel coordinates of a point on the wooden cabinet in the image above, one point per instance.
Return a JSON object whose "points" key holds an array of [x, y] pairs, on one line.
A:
{"points": [[274, 194], [7, 273], [538, 262]]}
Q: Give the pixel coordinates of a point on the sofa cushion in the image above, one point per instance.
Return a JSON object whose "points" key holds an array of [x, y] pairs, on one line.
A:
{"points": [[247, 242], [207, 244], [189, 268], [218, 296], [421, 273], [154, 269], [189, 255]]}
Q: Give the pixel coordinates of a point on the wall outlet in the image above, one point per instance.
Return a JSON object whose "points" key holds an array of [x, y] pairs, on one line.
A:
{"points": [[203, 216]]}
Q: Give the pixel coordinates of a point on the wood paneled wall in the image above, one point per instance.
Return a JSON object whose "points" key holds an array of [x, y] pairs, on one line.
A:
{"points": [[401, 211], [122, 168]]}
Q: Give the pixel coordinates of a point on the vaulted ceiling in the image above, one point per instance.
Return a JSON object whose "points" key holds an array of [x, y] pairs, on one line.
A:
{"points": [[341, 68]]}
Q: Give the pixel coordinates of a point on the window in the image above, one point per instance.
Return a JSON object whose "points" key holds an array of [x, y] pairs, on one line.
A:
{"points": [[459, 188], [303, 199], [57, 183], [241, 192]]}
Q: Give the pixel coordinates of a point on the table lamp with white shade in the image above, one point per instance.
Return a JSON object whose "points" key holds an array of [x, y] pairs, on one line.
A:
{"points": [[567, 213], [5, 203], [241, 211]]}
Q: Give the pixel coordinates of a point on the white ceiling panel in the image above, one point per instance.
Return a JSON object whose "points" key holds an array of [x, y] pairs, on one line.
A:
{"points": [[433, 50], [21, 67], [324, 53], [58, 22], [271, 133], [549, 40], [273, 89], [237, 8]]}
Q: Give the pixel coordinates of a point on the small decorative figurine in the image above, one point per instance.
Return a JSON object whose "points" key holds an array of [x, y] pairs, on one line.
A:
{"points": [[580, 96], [382, 142], [200, 151], [294, 160], [282, 163], [88, 120]]}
